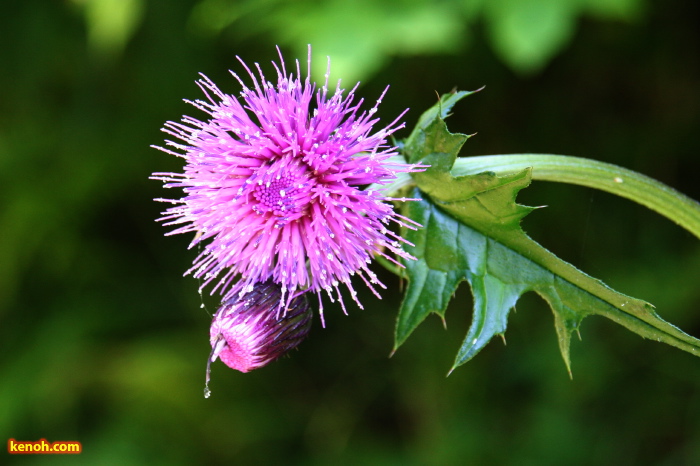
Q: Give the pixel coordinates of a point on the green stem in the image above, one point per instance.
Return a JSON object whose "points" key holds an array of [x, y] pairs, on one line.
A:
{"points": [[593, 174]]}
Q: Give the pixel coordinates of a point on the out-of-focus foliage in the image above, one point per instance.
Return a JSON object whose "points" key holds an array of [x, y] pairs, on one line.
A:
{"points": [[527, 34], [104, 342], [363, 35], [110, 23]]}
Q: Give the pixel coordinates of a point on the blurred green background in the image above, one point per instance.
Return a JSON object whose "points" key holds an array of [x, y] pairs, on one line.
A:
{"points": [[104, 342]]}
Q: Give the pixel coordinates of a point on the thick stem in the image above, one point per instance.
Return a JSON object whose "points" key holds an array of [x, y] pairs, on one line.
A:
{"points": [[593, 174]]}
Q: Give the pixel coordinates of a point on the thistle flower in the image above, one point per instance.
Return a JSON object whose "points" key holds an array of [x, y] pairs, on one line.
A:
{"points": [[251, 331], [274, 183]]}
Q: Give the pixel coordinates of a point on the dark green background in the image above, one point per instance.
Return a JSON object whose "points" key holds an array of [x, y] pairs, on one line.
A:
{"points": [[104, 342]]}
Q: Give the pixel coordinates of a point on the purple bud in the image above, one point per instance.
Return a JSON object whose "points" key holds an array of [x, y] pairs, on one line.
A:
{"points": [[253, 329]]}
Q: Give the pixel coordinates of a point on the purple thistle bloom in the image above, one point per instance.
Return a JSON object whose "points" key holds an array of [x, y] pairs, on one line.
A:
{"points": [[274, 180], [251, 331]]}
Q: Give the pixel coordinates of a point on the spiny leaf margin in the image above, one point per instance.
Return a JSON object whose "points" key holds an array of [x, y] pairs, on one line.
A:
{"points": [[472, 232]]}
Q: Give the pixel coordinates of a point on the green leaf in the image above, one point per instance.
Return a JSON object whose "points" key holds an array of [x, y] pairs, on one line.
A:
{"points": [[111, 23], [471, 232], [527, 34]]}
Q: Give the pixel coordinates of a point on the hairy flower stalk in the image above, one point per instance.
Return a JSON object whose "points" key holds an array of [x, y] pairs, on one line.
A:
{"points": [[251, 331], [275, 187]]}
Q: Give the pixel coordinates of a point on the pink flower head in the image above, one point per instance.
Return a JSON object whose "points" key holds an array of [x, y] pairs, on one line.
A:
{"points": [[274, 181]]}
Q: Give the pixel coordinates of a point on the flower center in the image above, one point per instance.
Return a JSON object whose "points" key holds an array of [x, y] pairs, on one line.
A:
{"points": [[282, 189], [276, 195]]}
